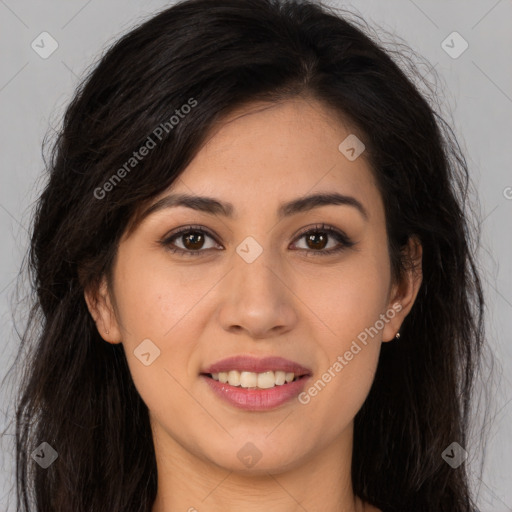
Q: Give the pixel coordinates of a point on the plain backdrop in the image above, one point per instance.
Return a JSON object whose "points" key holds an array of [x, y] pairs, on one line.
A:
{"points": [[475, 88]]}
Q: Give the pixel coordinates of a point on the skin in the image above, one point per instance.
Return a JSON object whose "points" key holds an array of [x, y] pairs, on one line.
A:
{"points": [[304, 307]]}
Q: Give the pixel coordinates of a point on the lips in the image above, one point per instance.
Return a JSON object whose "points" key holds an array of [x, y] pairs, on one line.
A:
{"points": [[247, 397], [256, 365]]}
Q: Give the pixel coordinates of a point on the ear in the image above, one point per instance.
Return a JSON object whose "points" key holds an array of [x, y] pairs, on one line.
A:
{"points": [[100, 306], [403, 294]]}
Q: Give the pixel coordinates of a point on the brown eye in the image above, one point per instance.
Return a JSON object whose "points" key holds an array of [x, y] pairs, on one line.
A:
{"points": [[316, 241], [192, 240], [319, 237]]}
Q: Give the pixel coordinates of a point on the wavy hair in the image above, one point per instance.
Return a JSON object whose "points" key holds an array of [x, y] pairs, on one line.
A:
{"points": [[77, 393]]}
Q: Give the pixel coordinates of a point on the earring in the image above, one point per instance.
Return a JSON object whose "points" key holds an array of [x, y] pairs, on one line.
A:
{"points": [[397, 336], [106, 331]]}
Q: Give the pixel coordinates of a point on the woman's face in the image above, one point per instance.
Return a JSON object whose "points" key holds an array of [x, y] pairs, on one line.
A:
{"points": [[251, 289]]}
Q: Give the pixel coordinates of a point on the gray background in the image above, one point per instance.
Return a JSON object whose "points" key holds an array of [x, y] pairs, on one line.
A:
{"points": [[475, 89]]}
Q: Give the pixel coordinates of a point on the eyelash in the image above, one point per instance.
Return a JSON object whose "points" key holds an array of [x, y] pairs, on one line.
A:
{"points": [[339, 236]]}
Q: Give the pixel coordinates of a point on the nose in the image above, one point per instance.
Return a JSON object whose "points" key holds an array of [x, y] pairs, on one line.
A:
{"points": [[258, 299]]}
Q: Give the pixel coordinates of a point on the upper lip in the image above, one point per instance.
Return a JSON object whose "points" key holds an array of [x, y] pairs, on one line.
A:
{"points": [[257, 365]]}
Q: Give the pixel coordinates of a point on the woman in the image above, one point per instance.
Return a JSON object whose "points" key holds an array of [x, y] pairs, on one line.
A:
{"points": [[254, 278]]}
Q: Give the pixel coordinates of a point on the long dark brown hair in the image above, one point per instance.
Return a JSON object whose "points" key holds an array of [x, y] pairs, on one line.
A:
{"points": [[77, 393]]}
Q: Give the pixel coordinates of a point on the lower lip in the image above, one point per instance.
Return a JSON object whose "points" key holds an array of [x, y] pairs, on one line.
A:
{"points": [[256, 399]]}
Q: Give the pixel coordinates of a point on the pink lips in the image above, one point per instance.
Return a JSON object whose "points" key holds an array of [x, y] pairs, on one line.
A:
{"points": [[252, 399]]}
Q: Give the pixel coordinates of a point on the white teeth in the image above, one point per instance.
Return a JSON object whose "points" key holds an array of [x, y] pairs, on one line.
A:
{"points": [[263, 380], [266, 380], [234, 378], [280, 377], [247, 379]]}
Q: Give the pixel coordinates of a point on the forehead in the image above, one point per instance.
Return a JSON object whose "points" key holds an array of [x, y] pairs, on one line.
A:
{"points": [[266, 153]]}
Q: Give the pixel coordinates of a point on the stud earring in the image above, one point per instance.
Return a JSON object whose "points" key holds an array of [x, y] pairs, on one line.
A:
{"points": [[397, 336]]}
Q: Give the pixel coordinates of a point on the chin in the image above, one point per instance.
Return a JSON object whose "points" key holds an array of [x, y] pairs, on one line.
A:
{"points": [[256, 458]]}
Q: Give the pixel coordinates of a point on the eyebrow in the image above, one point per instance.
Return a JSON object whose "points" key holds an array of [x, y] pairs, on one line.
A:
{"points": [[214, 206]]}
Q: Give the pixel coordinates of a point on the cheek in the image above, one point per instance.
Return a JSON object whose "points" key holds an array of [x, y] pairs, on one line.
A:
{"points": [[159, 308], [152, 296], [347, 310], [348, 298], [152, 303]]}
